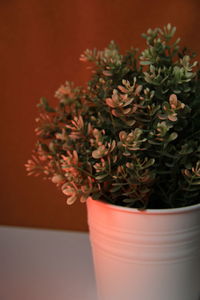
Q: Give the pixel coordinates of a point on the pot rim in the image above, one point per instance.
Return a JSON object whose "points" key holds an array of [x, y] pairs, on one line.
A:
{"points": [[163, 211]]}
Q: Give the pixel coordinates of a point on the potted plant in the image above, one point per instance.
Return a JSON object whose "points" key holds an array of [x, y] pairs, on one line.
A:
{"points": [[128, 144]]}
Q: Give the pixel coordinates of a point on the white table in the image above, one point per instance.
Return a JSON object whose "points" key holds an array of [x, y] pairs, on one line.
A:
{"points": [[40, 264]]}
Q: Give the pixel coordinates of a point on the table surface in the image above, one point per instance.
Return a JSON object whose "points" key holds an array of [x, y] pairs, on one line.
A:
{"points": [[37, 264]]}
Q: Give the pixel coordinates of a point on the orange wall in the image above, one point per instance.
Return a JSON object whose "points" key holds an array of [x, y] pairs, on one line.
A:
{"points": [[40, 45]]}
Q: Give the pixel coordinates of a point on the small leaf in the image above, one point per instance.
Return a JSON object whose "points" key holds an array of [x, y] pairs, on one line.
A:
{"points": [[149, 163], [145, 63], [99, 177], [196, 182], [130, 200], [172, 137], [115, 189], [44, 103]]}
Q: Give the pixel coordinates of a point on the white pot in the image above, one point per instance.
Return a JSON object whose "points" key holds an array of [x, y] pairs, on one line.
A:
{"points": [[145, 255]]}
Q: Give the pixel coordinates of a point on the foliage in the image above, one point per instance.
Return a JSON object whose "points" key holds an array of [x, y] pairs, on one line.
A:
{"points": [[131, 137]]}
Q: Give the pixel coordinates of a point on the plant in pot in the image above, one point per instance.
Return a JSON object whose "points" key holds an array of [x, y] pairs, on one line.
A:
{"points": [[128, 144]]}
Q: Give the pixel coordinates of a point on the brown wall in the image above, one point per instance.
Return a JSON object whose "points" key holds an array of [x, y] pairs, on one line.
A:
{"points": [[40, 45]]}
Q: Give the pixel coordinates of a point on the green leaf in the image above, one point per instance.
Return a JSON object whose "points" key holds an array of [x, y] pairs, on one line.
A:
{"points": [[44, 103], [191, 189], [100, 177], [115, 189], [130, 200], [172, 137], [154, 143], [196, 182], [145, 63], [149, 163]]}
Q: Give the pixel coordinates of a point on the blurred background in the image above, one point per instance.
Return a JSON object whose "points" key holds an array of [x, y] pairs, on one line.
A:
{"points": [[40, 46]]}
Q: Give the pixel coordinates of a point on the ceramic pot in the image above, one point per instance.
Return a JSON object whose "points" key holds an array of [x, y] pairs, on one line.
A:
{"points": [[145, 255]]}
